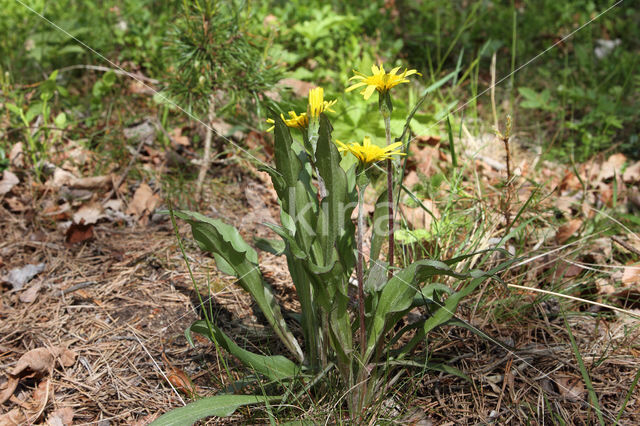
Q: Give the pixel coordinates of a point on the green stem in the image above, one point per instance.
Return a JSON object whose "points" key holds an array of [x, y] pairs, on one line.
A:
{"points": [[360, 270], [387, 128]]}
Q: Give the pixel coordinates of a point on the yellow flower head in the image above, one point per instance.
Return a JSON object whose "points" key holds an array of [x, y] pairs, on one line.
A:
{"points": [[296, 121], [367, 152], [317, 104], [380, 80]]}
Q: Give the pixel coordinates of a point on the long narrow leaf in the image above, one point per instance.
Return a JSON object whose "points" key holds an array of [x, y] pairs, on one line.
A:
{"points": [[219, 405], [275, 367]]}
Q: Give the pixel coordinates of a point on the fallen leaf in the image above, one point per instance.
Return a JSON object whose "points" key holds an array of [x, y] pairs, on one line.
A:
{"points": [[40, 361], [567, 230], [570, 387], [40, 397], [16, 205], [16, 156], [67, 356], [93, 182], [30, 294], [18, 277], [9, 180], [298, 87], [143, 203], [632, 173], [143, 132], [61, 417], [60, 177], [77, 233], [178, 139], [417, 217], [88, 214], [411, 179], [9, 387], [114, 204], [14, 417], [612, 166], [570, 182], [631, 275]]}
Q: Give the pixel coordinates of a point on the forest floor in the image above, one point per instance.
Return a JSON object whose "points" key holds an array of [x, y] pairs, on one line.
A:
{"points": [[95, 297]]}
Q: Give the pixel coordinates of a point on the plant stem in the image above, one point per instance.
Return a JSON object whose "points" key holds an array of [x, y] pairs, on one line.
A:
{"points": [[387, 128], [360, 271], [206, 158]]}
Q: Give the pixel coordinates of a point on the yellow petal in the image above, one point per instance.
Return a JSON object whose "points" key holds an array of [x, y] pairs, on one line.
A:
{"points": [[368, 92]]}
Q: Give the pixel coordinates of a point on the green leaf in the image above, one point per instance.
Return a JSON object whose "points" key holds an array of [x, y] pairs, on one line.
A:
{"points": [[275, 367], [14, 109], [109, 78], [398, 294], [219, 405], [234, 255], [275, 247], [60, 120]]}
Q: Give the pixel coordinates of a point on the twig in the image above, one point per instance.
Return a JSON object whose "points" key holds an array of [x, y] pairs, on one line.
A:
{"points": [[626, 245], [126, 172], [135, 76], [75, 288], [204, 167], [566, 296]]}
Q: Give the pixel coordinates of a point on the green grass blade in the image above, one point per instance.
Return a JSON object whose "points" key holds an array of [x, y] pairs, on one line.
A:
{"points": [[585, 374]]}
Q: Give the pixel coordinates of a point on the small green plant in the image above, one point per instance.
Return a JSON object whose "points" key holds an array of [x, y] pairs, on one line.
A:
{"points": [[36, 120], [323, 248]]}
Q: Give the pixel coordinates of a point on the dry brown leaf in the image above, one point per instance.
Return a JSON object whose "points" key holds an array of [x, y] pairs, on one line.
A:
{"points": [[16, 156], [298, 87], [60, 177], [9, 180], [567, 230], [612, 166], [61, 417], [16, 205], [39, 361], [143, 203], [78, 233], [88, 214], [417, 217], [571, 387], [93, 182], [178, 139], [30, 294], [9, 387], [15, 417], [570, 182], [632, 174], [41, 395], [411, 179], [631, 275]]}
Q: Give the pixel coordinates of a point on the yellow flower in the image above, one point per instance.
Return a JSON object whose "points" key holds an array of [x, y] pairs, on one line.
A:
{"points": [[317, 104], [369, 153], [380, 80], [296, 121]]}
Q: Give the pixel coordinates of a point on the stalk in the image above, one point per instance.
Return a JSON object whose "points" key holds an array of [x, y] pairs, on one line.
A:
{"points": [[387, 128], [360, 271]]}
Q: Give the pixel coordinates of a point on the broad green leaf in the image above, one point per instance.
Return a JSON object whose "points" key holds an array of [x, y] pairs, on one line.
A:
{"points": [[275, 367], [219, 405], [275, 247], [287, 162], [398, 295], [233, 254]]}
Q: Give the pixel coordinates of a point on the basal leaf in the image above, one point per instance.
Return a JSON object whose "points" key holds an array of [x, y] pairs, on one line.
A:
{"points": [[219, 406], [275, 367]]}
